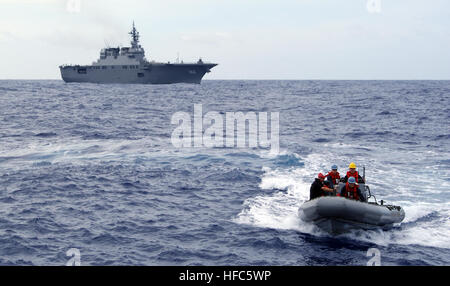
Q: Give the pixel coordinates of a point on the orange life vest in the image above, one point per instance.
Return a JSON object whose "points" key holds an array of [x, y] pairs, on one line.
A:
{"points": [[355, 175], [335, 177], [351, 193]]}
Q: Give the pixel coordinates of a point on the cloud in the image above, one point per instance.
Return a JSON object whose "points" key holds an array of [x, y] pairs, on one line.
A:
{"points": [[249, 39]]}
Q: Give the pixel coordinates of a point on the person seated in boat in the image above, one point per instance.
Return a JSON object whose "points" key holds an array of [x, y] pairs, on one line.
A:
{"points": [[319, 188], [352, 173], [351, 190], [333, 176], [327, 182]]}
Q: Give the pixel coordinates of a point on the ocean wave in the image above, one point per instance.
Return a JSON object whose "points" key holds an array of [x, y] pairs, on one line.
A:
{"points": [[92, 166]]}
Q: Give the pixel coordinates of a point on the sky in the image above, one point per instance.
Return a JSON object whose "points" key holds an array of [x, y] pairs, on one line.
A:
{"points": [[249, 39]]}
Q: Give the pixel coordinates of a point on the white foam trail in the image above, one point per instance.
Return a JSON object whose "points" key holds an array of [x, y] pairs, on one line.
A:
{"points": [[413, 231], [270, 154], [76, 150], [279, 210], [431, 232]]}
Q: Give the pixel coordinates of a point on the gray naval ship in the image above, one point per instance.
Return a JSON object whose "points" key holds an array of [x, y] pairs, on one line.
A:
{"points": [[129, 65]]}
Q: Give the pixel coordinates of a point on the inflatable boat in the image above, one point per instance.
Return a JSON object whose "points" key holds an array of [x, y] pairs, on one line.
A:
{"points": [[338, 214]]}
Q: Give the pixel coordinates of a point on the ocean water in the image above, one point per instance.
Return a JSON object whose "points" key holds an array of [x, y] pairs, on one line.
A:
{"points": [[92, 167]]}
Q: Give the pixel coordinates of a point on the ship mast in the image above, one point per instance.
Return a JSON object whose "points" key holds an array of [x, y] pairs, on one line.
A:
{"points": [[134, 37]]}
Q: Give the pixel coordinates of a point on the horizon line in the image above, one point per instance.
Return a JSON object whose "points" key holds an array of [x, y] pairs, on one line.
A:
{"points": [[274, 79]]}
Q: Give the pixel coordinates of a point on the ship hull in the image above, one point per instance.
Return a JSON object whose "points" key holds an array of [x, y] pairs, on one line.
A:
{"points": [[338, 215], [154, 73]]}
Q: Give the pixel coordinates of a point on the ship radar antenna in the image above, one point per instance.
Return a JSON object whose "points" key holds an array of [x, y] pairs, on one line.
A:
{"points": [[134, 37]]}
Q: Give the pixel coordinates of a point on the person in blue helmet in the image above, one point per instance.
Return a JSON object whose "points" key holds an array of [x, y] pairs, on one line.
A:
{"points": [[333, 176], [351, 190]]}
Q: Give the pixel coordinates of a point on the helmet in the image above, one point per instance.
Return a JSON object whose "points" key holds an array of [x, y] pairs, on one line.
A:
{"points": [[334, 167], [351, 180], [352, 166], [321, 176]]}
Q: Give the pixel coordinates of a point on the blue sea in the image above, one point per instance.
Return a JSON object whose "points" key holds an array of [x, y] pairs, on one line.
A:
{"points": [[92, 167]]}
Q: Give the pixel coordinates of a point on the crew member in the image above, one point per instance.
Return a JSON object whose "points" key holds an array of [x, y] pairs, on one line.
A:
{"points": [[333, 176], [351, 190], [318, 188], [352, 173]]}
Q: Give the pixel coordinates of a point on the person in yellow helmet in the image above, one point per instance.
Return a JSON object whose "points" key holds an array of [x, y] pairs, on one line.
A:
{"points": [[352, 173]]}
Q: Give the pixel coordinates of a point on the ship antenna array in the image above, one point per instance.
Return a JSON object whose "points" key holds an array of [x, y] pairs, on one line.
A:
{"points": [[135, 35]]}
